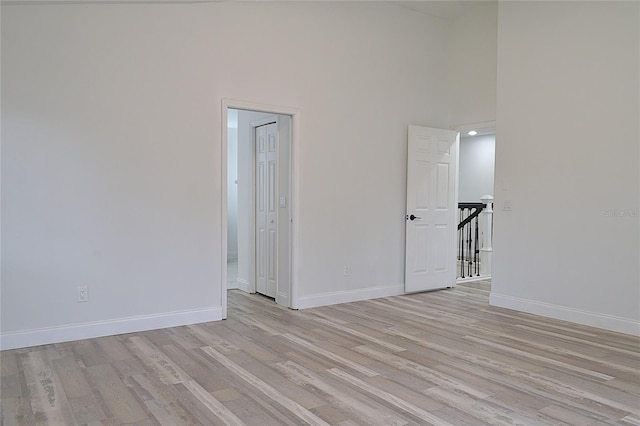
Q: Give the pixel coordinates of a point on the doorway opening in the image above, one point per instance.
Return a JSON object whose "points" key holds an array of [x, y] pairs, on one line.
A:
{"points": [[475, 201], [259, 195]]}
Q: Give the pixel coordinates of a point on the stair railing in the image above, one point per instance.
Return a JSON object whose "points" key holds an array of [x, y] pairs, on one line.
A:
{"points": [[468, 244], [474, 238]]}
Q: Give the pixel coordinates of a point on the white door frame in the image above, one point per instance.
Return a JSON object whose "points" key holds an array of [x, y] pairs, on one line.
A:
{"points": [[293, 176], [476, 126]]}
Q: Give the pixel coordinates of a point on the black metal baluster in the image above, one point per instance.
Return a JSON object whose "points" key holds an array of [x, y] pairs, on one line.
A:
{"points": [[466, 243], [469, 265]]}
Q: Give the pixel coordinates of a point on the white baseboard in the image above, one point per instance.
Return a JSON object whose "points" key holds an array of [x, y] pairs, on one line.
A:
{"points": [[593, 319], [44, 336], [282, 299], [348, 296], [243, 285]]}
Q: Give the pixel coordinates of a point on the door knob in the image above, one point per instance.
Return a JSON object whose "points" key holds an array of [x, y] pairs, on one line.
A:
{"points": [[414, 217]]}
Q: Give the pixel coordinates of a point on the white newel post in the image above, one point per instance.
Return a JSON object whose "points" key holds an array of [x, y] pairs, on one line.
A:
{"points": [[486, 250]]}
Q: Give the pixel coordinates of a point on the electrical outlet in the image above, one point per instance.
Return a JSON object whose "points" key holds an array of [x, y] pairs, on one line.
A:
{"points": [[83, 294], [347, 269]]}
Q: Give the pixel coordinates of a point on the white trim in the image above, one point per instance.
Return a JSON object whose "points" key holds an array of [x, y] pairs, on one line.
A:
{"points": [[476, 126], [295, 169], [244, 285], [579, 316], [282, 299], [224, 205], [347, 296], [294, 159], [66, 333]]}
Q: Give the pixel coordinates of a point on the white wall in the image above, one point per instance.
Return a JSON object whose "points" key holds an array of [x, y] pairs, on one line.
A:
{"points": [[567, 158], [109, 175], [476, 167], [472, 64], [111, 151]]}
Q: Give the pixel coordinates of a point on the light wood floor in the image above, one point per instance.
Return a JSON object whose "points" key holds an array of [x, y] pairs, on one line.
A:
{"points": [[441, 358]]}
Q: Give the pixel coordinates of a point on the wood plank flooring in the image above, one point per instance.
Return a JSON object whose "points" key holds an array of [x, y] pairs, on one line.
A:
{"points": [[439, 358]]}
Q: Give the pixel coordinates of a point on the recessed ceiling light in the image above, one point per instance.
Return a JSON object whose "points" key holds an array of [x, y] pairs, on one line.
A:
{"points": [[472, 133]]}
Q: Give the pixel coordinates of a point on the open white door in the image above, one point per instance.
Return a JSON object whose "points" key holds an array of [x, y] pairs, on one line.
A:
{"points": [[266, 191], [432, 162]]}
